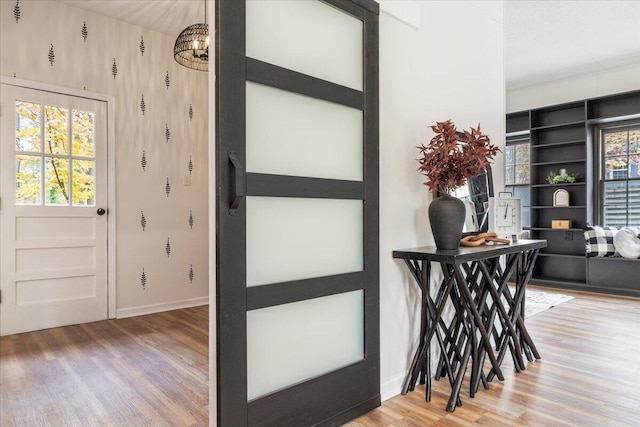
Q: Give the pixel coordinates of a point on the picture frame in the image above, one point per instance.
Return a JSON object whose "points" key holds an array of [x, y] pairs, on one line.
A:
{"points": [[561, 198]]}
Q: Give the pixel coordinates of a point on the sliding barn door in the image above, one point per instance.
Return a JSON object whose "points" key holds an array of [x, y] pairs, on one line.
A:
{"points": [[297, 218]]}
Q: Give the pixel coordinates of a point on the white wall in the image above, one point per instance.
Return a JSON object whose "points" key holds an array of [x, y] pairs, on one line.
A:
{"points": [[87, 64], [574, 89], [451, 67]]}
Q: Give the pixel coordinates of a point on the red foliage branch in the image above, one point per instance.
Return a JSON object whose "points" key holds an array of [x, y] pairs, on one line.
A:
{"points": [[449, 160]]}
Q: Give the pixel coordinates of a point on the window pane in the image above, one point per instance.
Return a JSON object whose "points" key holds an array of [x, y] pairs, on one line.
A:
{"points": [[634, 141], [56, 130], [83, 133], [522, 154], [522, 174], [615, 143], [290, 343], [292, 238], [28, 181], [56, 181], [510, 175], [615, 216], [526, 217], [616, 167], [634, 166], [28, 127], [83, 183], [522, 193], [634, 210], [510, 154], [615, 193]]}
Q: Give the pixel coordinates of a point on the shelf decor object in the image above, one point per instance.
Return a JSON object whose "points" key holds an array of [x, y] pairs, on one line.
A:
{"points": [[448, 161], [192, 46], [561, 198], [563, 224], [562, 177], [505, 215]]}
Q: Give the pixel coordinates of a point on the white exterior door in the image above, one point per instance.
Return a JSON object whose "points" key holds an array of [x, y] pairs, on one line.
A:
{"points": [[53, 221]]}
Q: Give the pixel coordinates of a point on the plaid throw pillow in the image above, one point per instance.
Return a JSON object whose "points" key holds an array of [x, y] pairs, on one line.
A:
{"points": [[599, 241]]}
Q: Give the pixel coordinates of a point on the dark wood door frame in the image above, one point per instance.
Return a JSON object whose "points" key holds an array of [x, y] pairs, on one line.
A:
{"points": [[345, 393]]}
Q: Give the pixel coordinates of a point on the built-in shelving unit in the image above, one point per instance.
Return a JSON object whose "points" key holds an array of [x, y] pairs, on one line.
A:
{"points": [[559, 136], [562, 138]]}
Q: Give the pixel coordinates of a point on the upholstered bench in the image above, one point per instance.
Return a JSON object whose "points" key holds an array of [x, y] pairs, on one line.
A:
{"points": [[607, 271]]}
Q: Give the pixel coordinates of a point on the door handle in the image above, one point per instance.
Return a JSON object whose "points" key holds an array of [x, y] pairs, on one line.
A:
{"points": [[239, 184], [101, 211]]}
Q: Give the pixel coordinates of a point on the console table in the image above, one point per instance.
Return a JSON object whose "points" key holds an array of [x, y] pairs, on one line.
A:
{"points": [[475, 286]]}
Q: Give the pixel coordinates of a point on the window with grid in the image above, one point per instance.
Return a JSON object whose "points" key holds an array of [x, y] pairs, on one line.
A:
{"points": [[54, 155], [620, 175], [517, 174]]}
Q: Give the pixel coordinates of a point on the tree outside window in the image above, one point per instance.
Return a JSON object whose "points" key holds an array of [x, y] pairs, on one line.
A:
{"points": [[54, 155], [517, 174], [620, 176]]}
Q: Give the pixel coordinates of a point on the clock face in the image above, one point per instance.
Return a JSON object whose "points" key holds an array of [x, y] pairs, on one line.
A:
{"points": [[505, 215]]}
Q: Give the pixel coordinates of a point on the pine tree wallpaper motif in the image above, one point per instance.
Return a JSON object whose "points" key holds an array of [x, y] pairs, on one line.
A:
{"points": [[143, 106], [52, 55], [143, 221], [143, 280], [59, 26], [143, 161], [16, 11]]}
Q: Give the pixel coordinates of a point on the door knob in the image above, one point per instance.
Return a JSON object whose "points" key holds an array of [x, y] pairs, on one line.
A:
{"points": [[101, 211]]}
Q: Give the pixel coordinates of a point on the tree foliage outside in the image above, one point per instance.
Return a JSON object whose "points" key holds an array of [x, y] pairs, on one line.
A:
{"points": [[517, 164], [49, 153], [622, 153]]}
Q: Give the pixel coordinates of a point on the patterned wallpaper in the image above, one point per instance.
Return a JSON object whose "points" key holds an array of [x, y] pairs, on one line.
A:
{"points": [[160, 142]]}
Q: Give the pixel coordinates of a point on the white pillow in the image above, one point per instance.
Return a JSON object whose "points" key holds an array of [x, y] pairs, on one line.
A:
{"points": [[627, 243]]}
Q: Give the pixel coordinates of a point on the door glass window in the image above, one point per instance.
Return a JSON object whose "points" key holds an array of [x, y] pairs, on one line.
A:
{"points": [[54, 155]]}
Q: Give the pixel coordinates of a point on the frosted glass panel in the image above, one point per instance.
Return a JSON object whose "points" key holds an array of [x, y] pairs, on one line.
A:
{"points": [[291, 134], [310, 37], [291, 239], [290, 343]]}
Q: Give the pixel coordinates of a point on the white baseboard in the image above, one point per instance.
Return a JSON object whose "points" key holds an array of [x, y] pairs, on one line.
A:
{"points": [[157, 308], [391, 387]]}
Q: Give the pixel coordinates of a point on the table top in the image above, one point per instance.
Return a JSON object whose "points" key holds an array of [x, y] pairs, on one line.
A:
{"points": [[466, 254]]}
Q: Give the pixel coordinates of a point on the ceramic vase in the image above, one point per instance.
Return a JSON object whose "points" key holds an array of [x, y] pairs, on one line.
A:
{"points": [[446, 215]]}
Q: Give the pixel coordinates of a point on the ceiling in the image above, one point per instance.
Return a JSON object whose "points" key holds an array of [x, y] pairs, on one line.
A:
{"points": [[551, 40], [166, 16], [544, 40]]}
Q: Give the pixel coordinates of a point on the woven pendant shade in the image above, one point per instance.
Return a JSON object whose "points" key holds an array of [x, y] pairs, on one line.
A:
{"points": [[192, 47]]}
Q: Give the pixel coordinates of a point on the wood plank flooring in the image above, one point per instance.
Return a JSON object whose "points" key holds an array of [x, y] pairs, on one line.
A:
{"points": [[141, 371], [589, 375], [152, 371]]}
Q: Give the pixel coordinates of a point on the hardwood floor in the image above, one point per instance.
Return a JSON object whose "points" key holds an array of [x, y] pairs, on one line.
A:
{"points": [[153, 371], [141, 371], [589, 375]]}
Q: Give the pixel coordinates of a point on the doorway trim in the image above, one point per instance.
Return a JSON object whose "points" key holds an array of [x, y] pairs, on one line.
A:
{"points": [[111, 167]]}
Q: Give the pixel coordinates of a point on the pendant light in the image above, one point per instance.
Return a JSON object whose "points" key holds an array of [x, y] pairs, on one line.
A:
{"points": [[192, 45]]}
